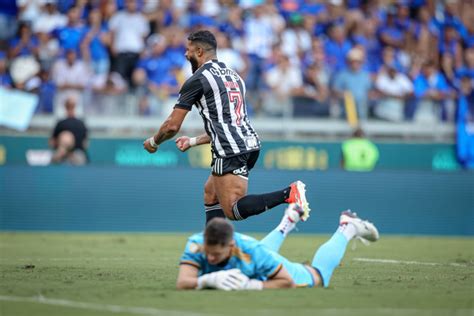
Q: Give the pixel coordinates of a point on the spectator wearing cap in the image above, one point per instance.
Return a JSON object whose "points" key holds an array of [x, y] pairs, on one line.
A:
{"points": [[71, 77], [356, 81], [95, 43], [431, 89], [5, 79], [394, 88], [129, 29]]}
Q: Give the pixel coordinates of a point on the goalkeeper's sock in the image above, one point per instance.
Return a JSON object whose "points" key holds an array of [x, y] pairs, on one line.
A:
{"points": [[212, 211], [251, 205], [329, 255], [273, 240], [286, 225], [348, 230]]}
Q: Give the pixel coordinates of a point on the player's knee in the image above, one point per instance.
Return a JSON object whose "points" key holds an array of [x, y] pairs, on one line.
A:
{"points": [[210, 199]]}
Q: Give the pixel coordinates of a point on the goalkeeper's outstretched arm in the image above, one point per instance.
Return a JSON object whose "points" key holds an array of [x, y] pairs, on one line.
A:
{"points": [[187, 277], [229, 280]]}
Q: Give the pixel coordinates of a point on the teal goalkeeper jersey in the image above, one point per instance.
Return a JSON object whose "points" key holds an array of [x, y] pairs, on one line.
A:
{"points": [[254, 259]]}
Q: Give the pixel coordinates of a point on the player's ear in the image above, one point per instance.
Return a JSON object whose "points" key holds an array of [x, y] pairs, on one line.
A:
{"points": [[199, 51]]}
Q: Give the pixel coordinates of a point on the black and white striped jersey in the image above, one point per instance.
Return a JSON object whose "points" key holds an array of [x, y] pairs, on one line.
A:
{"points": [[219, 94]]}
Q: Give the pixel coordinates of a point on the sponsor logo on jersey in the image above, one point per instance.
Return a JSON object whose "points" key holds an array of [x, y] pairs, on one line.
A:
{"points": [[240, 171]]}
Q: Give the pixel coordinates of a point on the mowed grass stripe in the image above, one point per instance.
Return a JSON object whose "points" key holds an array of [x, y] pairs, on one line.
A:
{"points": [[143, 268]]}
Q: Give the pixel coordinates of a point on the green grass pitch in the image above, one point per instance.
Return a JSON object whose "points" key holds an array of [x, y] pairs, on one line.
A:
{"points": [[134, 274]]}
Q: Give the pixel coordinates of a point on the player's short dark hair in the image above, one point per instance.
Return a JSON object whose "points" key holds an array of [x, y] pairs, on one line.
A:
{"points": [[218, 232], [205, 38]]}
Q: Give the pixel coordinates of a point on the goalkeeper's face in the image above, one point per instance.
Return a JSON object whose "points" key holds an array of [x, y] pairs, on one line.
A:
{"points": [[216, 254]]}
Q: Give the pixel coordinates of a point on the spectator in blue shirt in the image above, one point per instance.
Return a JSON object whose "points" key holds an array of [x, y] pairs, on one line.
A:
{"points": [[95, 43], [154, 73], [356, 81], [233, 26], [46, 92], [8, 19], [468, 65], [465, 119], [450, 16], [390, 33], [336, 48], [431, 89], [363, 34], [175, 49], [24, 44], [70, 36], [468, 36], [450, 43], [5, 79]]}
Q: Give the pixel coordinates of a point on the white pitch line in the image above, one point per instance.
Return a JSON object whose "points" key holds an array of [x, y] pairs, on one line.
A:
{"points": [[409, 262], [94, 306]]}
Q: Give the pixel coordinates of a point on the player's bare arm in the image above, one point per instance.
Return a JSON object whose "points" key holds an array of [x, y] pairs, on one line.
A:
{"points": [[187, 277], [168, 129], [281, 280], [185, 142]]}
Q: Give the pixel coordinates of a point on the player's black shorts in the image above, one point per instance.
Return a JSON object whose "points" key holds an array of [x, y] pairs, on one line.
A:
{"points": [[239, 165]]}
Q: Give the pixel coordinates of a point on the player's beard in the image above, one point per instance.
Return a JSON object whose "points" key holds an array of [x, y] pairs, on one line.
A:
{"points": [[194, 63]]}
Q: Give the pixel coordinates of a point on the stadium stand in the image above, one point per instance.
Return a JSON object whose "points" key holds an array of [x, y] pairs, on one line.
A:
{"points": [[402, 61]]}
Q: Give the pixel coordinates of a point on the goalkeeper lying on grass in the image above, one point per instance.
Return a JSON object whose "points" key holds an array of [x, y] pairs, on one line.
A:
{"points": [[224, 260]]}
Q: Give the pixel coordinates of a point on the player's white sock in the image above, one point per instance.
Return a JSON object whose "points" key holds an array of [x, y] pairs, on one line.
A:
{"points": [[348, 230], [286, 225]]}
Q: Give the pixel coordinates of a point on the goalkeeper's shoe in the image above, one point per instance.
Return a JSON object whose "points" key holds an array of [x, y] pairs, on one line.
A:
{"points": [[294, 213], [298, 196], [365, 229]]}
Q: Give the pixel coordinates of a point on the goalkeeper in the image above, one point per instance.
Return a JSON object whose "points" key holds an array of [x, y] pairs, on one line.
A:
{"points": [[221, 259]]}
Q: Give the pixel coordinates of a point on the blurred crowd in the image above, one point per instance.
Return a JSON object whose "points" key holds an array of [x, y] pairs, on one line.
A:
{"points": [[391, 60]]}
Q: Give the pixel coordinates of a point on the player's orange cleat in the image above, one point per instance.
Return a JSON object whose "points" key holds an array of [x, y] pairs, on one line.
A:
{"points": [[298, 196]]}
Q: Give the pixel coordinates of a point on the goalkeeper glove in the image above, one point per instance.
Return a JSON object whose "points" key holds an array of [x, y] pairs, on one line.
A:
{"points": [[226, 280]]}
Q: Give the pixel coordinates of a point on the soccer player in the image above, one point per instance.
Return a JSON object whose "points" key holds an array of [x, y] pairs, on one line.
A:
{"points": [[224, 260], [218, 93]]}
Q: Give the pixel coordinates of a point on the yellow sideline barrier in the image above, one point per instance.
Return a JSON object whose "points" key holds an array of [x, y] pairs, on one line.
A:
{"points": [[351, 111]]}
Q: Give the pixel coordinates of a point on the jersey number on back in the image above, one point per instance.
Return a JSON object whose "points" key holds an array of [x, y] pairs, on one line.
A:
{"points": [[236, 98]]}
